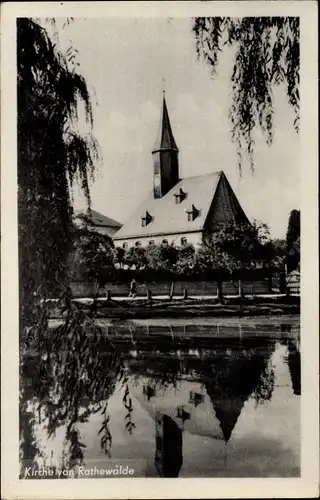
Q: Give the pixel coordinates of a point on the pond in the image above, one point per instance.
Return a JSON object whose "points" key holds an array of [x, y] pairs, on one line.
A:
{"points": [[226, 406]]}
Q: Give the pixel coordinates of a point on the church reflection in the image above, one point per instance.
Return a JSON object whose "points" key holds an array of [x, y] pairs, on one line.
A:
{"points": [[183, 390], [202, 394]]}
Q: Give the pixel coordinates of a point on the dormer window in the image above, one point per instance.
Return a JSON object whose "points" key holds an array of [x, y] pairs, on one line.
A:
{"points": [[192, 213], [146, 219], [196, 398], [180, 196]]}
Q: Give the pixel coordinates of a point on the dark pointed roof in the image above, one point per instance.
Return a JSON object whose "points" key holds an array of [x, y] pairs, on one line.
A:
{"points": [[165, 139], [98, 219], [227, 412]]}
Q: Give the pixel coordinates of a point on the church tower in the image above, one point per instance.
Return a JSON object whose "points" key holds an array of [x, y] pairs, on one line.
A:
{"points": [[165, 157]]}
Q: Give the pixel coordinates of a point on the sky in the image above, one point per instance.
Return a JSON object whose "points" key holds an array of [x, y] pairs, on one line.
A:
{"points": [[127, 63]]}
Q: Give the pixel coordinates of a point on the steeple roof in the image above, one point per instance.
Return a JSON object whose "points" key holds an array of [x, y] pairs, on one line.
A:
{"points": [[165, 139]]}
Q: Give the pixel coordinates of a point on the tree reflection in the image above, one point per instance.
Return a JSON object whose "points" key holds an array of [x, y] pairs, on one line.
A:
{"points": [[294, 363], [73, 378]]}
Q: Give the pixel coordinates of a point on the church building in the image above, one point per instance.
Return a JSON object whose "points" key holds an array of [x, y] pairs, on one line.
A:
{"points": [[179, 211]]}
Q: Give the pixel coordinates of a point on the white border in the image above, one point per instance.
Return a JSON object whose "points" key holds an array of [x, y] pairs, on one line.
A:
{"points": [[307, 485]]}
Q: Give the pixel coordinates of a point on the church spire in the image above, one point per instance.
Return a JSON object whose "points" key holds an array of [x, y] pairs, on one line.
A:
{"points": [[165, 156], [165, 139]]}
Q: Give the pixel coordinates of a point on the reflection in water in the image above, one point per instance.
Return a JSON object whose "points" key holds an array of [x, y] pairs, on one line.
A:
{"points": [[294, 367], [168, 455], [186, 391]]}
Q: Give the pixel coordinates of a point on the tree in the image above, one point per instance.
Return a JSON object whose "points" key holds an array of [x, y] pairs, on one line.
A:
{"points": [[119, 254], [267, 53], [293, 240], [278, 253], [186, 259], [136, 256], [232, 247], [51, 155], [161, 257], [92, 256], [210, 256]]}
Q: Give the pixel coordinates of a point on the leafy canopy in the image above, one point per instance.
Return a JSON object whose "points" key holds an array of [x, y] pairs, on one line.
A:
{"points": [[293, 240], [51, 156], [233, 246], [92, 254]]}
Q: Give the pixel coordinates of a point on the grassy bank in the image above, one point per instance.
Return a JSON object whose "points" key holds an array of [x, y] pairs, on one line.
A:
{"points": [[142, 309]]}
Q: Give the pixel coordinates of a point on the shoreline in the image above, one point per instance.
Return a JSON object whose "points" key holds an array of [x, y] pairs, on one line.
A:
{"points": [[184, 309]]}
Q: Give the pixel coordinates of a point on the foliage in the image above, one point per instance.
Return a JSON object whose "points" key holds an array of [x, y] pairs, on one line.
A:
{"points": [[232, 247], [161, 257], [136, 256], [119, 254], [278, 253], [186, 259], [293, 240], [267, 54], [77, 372], [92, 253], [293, 231], [51, 155]]}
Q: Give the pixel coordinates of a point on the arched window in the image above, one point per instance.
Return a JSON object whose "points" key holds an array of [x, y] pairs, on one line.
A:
{"points": [[183, 241], [137, 244], [164, 242], [125, 245], [151, 242]]}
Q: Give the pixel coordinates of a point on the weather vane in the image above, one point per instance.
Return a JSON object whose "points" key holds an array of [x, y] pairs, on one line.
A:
{"points": [[164, 86]]}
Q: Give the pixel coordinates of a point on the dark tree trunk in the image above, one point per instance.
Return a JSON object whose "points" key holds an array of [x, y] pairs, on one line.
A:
{"points": [[95, 296], [241, 289], [171, 290], [220, 292]]}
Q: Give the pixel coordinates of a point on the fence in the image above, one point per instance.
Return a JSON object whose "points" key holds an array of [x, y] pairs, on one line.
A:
{"points": [[195, 288], [293, 282]]}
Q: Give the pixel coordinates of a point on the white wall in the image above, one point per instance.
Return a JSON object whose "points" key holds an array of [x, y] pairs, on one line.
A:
{"points": [[106, 230], [193, 238]]}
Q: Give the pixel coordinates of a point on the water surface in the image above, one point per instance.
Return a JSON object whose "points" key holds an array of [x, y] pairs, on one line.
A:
{"points": [[223, 407]]}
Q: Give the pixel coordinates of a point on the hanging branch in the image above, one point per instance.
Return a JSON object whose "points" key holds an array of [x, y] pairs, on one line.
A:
{"points": [[267, 54], [127, 401]]}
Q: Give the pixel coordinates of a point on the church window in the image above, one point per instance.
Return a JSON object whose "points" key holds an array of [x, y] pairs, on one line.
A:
{"points": [[151, 242], [192, 213], [125, 245], [180, 196], [137, 244], [146, 219], [164, 242], [183, 241]]}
